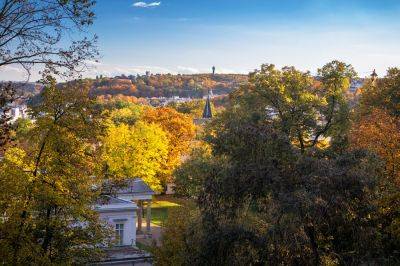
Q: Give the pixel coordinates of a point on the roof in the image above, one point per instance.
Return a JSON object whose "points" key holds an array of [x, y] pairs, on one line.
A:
{"points": [[125, 255], [135, 186], [108, 203]]}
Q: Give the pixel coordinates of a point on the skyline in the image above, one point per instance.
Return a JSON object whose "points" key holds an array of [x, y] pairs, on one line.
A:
{"points": [[172, 36]]}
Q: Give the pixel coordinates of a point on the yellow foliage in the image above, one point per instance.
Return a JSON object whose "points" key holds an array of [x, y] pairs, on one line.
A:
{"points": [[136, 151], [179, 129]]}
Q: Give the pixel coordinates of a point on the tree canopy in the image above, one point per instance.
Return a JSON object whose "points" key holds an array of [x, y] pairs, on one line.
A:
{"points": [[48, 185], [293, 177]]}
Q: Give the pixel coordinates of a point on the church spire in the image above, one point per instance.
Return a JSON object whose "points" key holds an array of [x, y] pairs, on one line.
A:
{"points": [[207, 113]]}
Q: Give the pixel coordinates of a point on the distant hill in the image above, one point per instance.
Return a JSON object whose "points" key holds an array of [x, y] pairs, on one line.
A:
{"points": [[167, 85]]}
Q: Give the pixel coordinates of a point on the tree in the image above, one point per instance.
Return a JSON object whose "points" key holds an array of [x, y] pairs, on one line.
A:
{"points": [[180, 132], [190, 175], [382, 94], [193, 108], [379, 133], [308, 111], [266, 199], [179, 237], [127, 115], [36, 33], [136, 151], [7, 97], [48, 197], [269, 203]]}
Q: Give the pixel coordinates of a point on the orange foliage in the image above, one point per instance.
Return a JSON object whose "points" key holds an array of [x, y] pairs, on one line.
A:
{"points": [[379, 132], [180, 132]]}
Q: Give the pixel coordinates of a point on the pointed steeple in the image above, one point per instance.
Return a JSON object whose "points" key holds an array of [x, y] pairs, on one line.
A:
{"points": [[207, 113]]}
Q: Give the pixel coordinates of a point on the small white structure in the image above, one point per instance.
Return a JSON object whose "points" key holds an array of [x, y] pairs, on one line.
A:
{"points": [[138, 191], [122, 210], [120, 215]]}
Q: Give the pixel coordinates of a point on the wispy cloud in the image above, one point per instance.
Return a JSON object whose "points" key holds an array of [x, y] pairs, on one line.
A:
{"points": [[187, 70], [146, 5]]}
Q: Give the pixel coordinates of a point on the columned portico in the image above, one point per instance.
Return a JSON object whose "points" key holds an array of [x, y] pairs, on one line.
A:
{"points": [[139, 192]]}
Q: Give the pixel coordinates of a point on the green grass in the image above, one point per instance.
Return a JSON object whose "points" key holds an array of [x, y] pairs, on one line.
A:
{"points": [[160, 207], [159, 215], [163, 204]]}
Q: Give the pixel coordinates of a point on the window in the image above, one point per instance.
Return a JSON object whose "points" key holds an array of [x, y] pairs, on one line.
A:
{"points": [[119, 233]]}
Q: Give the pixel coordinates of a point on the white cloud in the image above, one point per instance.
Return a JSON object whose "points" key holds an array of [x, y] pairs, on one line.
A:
{"points": [[187, 70], [15, 73], [146, 5]]}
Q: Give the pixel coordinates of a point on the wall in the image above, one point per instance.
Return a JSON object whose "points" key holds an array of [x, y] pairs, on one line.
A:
{"points": [[129, 224]]}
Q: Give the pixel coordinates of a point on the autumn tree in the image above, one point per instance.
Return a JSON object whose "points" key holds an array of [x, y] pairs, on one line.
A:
{"points": [[136, 151], [180, 132], [48, 186], [382, 94], [128, 115], [379, 133]]}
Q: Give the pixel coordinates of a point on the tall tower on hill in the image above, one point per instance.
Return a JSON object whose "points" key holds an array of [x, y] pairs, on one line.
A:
{"points": [[374, 76]]}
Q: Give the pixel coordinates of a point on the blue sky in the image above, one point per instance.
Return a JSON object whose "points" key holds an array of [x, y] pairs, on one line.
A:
{"points": [[237, 36]]}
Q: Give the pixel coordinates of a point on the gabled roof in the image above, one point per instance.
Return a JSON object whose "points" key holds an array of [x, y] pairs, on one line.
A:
{"points": [[108, 203], [135, 186]]}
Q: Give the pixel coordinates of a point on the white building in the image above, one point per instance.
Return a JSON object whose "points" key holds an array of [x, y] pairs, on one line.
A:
{"points": [[123, 212], [18, 111], [120, 215]]}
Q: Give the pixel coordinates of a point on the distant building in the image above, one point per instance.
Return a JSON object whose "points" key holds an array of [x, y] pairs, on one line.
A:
{"points": [[17, 111]]}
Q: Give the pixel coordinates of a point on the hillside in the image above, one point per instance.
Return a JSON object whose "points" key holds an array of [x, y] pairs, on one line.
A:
{"points": [[167, 85]]}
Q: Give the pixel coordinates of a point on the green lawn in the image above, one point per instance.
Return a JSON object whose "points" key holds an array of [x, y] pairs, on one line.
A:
{"points": [[159, 215], [160, 207]]}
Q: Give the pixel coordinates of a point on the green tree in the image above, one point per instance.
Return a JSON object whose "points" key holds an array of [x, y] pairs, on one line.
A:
{"points": [[268, 199], [7, 97], [180, 234], [309, 112], [190, 175], [48, 196]]}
